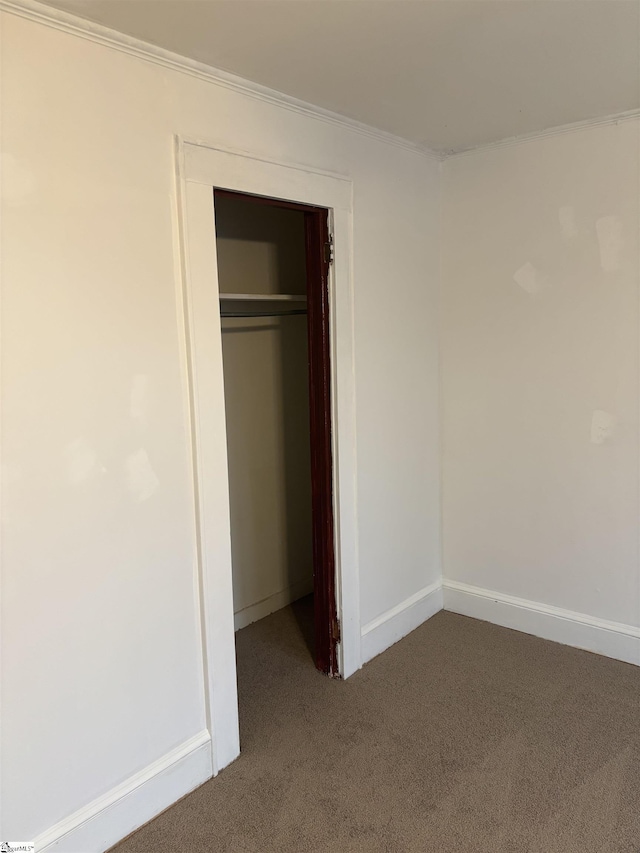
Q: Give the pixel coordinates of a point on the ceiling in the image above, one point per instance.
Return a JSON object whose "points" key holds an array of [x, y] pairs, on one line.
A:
{"points": [[447, 74]]}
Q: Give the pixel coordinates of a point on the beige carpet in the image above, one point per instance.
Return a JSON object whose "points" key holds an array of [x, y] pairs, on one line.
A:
{"points": [[462, 737]]}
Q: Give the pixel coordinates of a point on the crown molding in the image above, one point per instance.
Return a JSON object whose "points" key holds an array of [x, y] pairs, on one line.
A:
{"points": [[572, 127], [57, 19], [41, 13]]}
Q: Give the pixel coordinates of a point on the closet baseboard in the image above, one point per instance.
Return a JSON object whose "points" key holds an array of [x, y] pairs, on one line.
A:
{"points": [[400, 620], [611, 639], [269, 605]]}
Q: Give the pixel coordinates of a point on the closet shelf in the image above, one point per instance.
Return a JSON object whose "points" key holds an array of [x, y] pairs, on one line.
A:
{"points": [[262, 304], [262, 297]]}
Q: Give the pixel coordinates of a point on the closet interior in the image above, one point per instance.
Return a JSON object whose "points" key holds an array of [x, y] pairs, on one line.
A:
{"points": [[262, 274]]}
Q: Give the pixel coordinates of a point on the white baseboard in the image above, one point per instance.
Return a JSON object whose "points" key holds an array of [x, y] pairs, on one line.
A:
{"points": [[612, 639], [102, 823], [274, 602], [396, 623]]}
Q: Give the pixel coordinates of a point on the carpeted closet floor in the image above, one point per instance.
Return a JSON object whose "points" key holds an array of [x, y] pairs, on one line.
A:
{"points": [[462, 737]]}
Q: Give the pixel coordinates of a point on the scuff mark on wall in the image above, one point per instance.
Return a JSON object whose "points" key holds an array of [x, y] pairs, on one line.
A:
{"points": [[609, 231], [567, 219], [142, 481], [602, 426], [82, 461], [529, 278], [139, 398]]}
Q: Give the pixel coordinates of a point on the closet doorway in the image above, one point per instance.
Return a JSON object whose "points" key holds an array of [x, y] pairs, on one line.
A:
{"points": [[273, 266]]}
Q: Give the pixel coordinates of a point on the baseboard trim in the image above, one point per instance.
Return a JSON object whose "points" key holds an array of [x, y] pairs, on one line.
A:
{"points": [[110, 818], [612, 639], [391, 626], [274, 602]]}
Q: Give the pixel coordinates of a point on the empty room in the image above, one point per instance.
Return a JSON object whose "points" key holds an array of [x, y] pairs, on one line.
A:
{"points": [[320, 426]]}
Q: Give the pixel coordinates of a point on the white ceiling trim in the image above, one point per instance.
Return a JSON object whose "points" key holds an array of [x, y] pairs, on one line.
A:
{"points": [[98, 33], [572, 127], [68, 23]]}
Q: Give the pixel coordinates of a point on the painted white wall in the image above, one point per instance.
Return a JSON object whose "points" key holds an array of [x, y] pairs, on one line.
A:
{"points": [[101, 653], [262, 250], [540, 354]]}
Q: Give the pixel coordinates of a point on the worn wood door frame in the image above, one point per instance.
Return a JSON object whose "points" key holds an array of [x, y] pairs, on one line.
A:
{"points": [[201, 166], [318, 254]]}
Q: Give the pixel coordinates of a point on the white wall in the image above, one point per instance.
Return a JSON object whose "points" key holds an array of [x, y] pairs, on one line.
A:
{"points": [[101, 654], [540, 332], [261, 249]]}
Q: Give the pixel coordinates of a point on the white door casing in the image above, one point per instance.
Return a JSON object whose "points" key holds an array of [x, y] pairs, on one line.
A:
{"points": [[200, 167]]}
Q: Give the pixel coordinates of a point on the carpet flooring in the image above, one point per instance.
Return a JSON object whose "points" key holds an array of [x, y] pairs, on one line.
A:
{"points": [[462, 737]]}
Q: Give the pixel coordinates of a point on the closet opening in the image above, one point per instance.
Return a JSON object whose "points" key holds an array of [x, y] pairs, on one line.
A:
{"points": [[274, 258]]}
